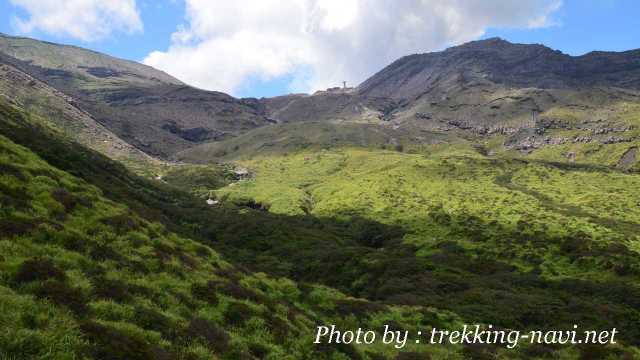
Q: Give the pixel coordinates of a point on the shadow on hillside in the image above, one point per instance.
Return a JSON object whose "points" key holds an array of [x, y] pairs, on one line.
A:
{"points": [[368, 259]]}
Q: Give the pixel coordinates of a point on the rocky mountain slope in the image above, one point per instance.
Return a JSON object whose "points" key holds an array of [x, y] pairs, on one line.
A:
{"points": [[491, 73], [147, 108], [498, 61], [526, 96], [493, 86], [45, 101]]}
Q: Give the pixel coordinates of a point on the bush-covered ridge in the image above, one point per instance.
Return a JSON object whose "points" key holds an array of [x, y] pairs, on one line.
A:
{"points": [[82, 276], [99, 263], [520, 243]]}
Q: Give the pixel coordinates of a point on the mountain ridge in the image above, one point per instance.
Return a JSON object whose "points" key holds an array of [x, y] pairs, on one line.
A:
{"points": [[151, 110], [477, 89], [494, 57]]}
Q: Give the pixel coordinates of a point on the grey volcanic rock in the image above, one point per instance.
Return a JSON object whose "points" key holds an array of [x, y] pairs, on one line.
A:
{"points": [[628, 159], [327, 106], [492, 86], [527, 94], [141, 105], [500, 62]]}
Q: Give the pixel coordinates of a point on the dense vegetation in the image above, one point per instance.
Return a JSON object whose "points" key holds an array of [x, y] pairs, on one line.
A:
{"points": [[85, 271], [519, 243], [485, 198], [99, 263]]}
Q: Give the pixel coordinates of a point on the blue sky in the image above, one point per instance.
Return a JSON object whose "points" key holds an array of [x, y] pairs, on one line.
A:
{"points": [[584, 26], [575, 27]]}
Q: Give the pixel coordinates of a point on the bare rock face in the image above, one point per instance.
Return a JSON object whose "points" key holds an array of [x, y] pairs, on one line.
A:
{"points": [[614, 140], [628, 159], [527, 93], [133, 100], [492, 87], [500, 62]]}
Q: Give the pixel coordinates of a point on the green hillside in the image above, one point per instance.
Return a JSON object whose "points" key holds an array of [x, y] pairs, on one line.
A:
{"points": [[85, 271], [519, 243], [493, 198], [100, 263], [293, 137]]}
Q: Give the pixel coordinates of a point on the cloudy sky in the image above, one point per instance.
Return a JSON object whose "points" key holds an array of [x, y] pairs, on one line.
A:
{"points": [[269, 47]]}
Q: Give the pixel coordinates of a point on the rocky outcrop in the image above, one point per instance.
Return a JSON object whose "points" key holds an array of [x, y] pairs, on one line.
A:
{"points": [[628, 159], [500, 62], [133, 100]]}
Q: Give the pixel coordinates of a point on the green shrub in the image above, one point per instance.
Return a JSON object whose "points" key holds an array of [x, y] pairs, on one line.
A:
{"points": [[259, 350], [65, 198], [375, 356], [122, 223], [109, 343], [359, 308], [151, 319], [479, 351], [239, 292], [38, 269], [14, 197], [278, 327], [237, 313], [413, 356], [62, 294], [116, 290], [103, 252], [205, 292], [15, 226], [213, 337]]}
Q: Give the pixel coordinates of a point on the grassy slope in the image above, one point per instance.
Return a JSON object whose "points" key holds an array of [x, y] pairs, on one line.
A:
{"points": [[82, 275], [292, 137], [520, 243], [405, 230]]}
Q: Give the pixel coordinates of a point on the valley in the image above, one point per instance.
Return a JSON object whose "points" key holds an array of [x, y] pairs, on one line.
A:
{"points": [[491, 183]]}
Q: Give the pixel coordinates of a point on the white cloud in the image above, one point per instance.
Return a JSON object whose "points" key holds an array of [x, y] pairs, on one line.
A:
{"points": [[87, 20], [322, 42]]}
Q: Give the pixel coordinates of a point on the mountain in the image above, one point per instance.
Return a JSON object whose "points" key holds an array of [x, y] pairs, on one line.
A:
{"points": [[451, 188], [145, 107], [525, 97], [496, 86], [47, 102], [496, 61], [332, 104]]}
